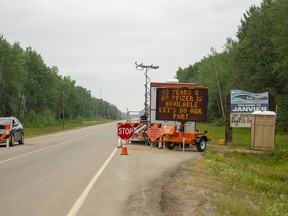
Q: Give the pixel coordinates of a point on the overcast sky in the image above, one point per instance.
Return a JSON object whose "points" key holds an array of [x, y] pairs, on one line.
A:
{"points": [[97, 42]]}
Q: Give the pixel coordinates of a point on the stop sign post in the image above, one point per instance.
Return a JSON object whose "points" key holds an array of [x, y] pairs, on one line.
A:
{"points": [[125, 131]]}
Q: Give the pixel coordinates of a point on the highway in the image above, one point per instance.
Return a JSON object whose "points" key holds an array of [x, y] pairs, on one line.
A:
{"points": [[79, 172]]}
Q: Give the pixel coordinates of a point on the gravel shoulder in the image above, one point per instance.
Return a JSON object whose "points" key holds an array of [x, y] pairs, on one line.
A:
{"points": [[170, 194], [184, 190]]}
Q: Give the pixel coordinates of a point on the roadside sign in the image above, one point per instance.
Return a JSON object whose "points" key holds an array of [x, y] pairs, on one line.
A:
{"points": [[240, 120], [168, 129], [153, 133], [125, 131]]}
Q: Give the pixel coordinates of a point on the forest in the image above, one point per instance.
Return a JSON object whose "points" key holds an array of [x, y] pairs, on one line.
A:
{"points": [[38, 95], [255, 61]]}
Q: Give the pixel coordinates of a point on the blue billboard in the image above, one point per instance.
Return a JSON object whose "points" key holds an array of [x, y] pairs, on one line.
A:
{"points": [[248, 102]]}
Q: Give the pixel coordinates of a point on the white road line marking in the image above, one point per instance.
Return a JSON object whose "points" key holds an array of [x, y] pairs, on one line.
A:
{"points": [[76, 207], [42, 149]]}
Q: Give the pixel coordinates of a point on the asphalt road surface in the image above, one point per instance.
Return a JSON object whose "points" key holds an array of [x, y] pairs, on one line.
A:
{"points": [[81, 172]]}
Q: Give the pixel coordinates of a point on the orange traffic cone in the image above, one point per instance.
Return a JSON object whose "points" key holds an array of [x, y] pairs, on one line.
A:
{"points": [[124, 150]]}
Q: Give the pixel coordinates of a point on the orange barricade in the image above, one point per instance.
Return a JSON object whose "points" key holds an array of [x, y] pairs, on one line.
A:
{"points": [[7, 128]]}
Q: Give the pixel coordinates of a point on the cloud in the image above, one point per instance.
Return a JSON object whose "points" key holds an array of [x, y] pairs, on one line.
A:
{"points": [[97, 42]]}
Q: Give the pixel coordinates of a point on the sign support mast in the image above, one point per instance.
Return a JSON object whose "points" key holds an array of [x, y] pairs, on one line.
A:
{"points": [[147, 90]]}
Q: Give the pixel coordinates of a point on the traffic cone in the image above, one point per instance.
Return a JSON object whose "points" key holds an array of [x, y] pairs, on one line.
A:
{"points": [[124, 150]]}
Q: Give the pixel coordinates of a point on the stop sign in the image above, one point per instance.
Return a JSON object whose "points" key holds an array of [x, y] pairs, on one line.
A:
{"points": [[125, 131]]}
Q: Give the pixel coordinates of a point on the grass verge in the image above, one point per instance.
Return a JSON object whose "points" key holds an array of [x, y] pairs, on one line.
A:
{"points": [[33, 132], [242, 181]]}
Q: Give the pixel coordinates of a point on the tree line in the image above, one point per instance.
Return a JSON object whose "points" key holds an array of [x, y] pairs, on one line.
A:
{"points": [[256, 61], [38, 95]]}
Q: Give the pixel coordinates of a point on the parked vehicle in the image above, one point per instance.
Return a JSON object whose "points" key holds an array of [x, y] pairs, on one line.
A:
{"points": [[15, 133]]}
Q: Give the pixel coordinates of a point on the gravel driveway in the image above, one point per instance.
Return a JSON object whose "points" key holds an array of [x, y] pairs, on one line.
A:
{"points": [[160, 181]]}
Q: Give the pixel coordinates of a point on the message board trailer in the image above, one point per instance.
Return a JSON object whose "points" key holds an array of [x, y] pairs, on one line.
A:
{"points": [[172, 103], [181, 105]]}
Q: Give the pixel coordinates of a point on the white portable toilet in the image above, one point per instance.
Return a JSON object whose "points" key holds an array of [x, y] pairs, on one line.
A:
{"points": [[263, 130]]}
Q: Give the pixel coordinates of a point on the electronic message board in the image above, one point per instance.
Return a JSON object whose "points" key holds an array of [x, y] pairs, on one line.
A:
{"points": [[182, 104]]}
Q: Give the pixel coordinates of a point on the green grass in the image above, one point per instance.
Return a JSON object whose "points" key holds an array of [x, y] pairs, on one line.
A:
{"points": [[243, 181], [263, 177], [33, 132], [215, 132], [241, 136]]}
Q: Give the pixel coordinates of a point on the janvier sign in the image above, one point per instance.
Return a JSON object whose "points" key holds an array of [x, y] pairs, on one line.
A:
{"points": [[185, 104], [240, 120], [244, 103]]}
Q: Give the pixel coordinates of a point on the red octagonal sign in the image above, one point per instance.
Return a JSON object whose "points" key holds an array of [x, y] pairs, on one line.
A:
{"points": [[125, 131]]}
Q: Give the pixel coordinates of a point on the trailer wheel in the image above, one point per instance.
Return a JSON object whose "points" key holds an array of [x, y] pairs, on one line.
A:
{"points": [[201, 145], [170, 145]]}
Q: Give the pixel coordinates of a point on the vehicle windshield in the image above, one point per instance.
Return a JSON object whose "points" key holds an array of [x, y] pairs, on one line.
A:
{"points": [[5, 121]]}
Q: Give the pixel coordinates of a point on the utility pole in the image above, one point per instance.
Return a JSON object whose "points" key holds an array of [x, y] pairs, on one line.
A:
{"points": [[213, 51], [147, 81]]}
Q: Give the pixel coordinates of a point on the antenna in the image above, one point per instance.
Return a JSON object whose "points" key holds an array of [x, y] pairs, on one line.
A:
{"points": [[147, 81]]}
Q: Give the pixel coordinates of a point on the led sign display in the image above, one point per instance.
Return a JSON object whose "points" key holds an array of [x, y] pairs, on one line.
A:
{"points": [[185, 104]]}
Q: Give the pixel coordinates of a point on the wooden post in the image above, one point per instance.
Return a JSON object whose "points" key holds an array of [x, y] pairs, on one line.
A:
{"points": [[228, 129]]}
